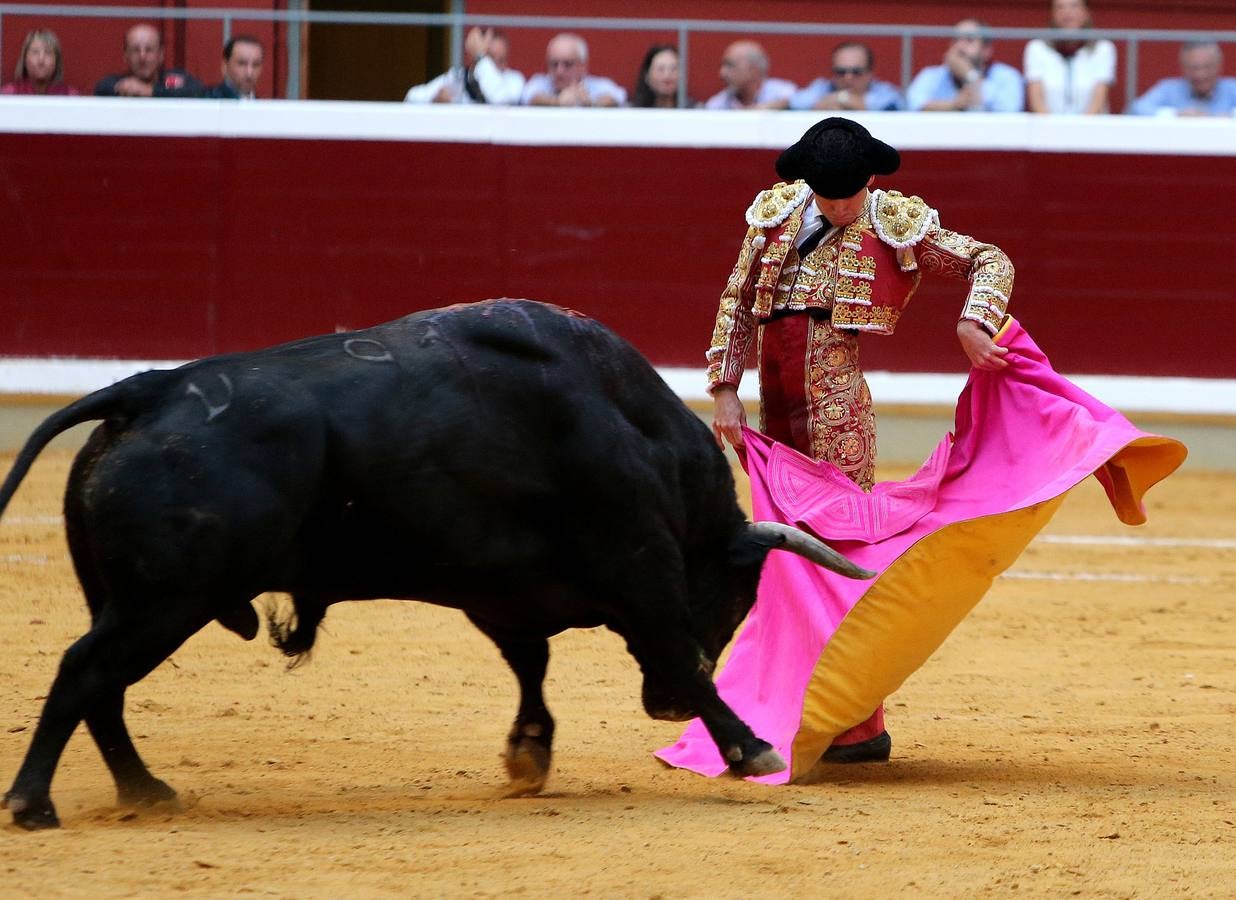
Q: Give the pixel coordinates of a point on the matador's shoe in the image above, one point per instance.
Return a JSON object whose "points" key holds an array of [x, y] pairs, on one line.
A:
{"points": [[876, 749]]}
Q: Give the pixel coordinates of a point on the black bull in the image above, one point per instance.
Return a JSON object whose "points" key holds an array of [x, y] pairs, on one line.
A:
{"points": [[510, 459]]}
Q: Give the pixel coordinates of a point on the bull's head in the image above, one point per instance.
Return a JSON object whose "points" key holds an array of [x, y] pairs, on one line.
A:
{"points": [[748, 550]]}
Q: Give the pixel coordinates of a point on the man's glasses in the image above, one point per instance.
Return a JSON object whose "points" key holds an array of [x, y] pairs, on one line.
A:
{"points": [[842, 71]]}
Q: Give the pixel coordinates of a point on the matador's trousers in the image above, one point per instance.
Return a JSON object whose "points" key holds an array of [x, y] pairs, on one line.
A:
{"points": [[814, 398]]}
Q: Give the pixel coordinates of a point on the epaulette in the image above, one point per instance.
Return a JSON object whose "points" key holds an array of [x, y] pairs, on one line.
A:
{"points": [[773, 206], [901, 221]]}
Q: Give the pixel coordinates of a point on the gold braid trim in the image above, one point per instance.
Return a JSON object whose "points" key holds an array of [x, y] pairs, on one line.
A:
{"points": [[773, 206], [985, 266], [901, 221], [735, 326]]}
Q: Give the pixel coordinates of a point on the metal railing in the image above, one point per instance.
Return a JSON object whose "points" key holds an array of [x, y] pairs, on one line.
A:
{"points": [[458, 21]]}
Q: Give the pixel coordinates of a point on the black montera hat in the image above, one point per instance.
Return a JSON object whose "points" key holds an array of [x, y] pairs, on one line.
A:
{"points": [[836, 157]]}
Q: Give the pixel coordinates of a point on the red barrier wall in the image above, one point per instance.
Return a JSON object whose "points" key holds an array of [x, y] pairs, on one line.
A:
{"points": [[152, 247]]}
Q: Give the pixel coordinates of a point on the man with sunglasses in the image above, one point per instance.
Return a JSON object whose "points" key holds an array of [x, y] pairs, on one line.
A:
{"points": [[852, 86]]}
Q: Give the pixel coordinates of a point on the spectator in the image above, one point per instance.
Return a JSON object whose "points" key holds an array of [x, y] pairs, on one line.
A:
{"points": [[853, 84], [968, 79], [40, 67], [1200, 92], [146, 77], [1069, 76], [657, 84], [566, 81], [485, 78], [242, 67], [744, 69]]}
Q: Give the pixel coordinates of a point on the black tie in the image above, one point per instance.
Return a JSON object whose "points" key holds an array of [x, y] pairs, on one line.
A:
{"points": [[814, 241]]}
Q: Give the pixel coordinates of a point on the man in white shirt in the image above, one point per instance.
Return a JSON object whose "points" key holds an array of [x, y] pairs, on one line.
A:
{"points": [[487, 80], [744, 69], [566, 81]]}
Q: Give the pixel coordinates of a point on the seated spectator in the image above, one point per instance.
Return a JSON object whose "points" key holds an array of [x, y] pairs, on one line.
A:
{"points": [[744, 69], [1200, 92], [1069, 76], [853, 84], [242, 67], [657, 83], [484, 78], [146, 77], [566, 81], [968, 79], [40, 67]]}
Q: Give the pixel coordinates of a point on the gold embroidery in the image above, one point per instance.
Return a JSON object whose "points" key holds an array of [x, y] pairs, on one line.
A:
{"points": [[732, 334], [773, 206], [988, 269], [840, 418], [899, 220]]}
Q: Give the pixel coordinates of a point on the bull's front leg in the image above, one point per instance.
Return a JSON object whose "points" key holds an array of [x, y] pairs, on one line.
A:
{"points": [[529, 746], [678, 685]]}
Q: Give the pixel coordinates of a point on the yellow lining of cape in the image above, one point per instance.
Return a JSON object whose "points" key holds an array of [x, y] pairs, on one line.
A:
{"points": [[922, 596], [903, 618]]}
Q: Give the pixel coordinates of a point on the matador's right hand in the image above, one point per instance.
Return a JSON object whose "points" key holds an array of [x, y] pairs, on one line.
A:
{"points": [[729, 416]]}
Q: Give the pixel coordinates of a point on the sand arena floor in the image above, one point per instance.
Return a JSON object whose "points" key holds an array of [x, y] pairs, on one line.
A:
{"points": [[1075, 736]]}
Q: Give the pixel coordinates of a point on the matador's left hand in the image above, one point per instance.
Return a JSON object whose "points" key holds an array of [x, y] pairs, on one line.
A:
{"points": [[984, 353]]}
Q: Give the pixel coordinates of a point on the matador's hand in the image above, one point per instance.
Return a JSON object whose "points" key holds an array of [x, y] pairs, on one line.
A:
{"points": [[984, 353], [728, 417]]}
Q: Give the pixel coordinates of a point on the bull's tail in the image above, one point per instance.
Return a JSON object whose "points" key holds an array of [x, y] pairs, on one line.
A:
{"points": [[123, 399]]}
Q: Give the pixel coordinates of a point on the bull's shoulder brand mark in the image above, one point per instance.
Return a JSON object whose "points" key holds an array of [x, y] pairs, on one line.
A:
{"points": [[773, 206]]}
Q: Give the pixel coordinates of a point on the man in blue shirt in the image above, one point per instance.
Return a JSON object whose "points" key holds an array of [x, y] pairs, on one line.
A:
{"points": [[968, 79], [1201, 92], [852, 86]]}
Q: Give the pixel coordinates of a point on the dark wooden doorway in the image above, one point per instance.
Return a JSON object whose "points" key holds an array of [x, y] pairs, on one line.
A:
{"points": [[373, 62]]}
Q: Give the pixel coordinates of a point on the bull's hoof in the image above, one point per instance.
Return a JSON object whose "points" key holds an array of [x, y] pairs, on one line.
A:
{"points": [[30, 814], [759, 760], [527, 763], [151, 792]]}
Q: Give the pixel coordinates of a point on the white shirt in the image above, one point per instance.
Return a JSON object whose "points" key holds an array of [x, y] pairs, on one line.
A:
{"points": [[1068, 83], [772, 90], [597, 87], [498, 85]]}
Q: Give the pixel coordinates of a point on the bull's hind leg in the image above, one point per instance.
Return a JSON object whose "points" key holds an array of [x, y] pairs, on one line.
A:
{"points": [[90, 686], [135, 786], [529, 746]]}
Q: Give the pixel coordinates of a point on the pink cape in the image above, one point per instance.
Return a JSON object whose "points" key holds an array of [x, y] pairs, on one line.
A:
{"points": [[820, 652]]}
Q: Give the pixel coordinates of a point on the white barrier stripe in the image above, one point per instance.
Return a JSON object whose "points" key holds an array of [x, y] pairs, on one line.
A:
{"points": [[32, 520], [1120, 577], [1098, 540], [1127, 393], [548, 126]]}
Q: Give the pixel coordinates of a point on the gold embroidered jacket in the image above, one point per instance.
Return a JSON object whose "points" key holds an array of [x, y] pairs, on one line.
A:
{"points": [[864, 274]]}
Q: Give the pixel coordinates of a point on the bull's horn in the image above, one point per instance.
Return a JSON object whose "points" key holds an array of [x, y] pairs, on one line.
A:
{"points": [[798, 541]]}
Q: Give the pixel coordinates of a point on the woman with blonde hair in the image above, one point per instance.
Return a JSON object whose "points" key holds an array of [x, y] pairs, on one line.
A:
{"points": [[40, 67]]}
